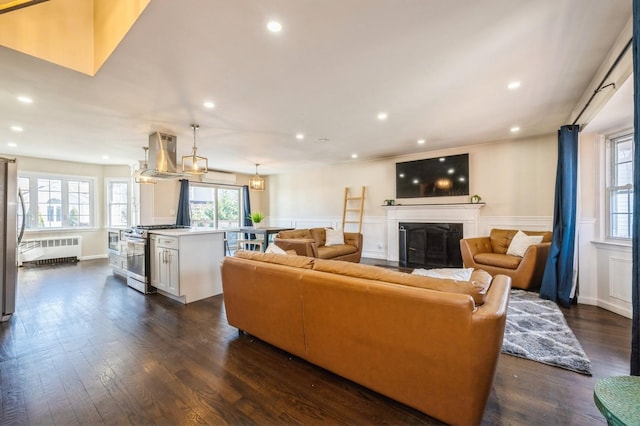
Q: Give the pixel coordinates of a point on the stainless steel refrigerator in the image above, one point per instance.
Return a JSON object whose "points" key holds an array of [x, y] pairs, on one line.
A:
{"points": [[10, 236]]}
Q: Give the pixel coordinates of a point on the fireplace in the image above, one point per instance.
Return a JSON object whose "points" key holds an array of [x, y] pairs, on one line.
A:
{"points": [[430, 245], [467, 214]]}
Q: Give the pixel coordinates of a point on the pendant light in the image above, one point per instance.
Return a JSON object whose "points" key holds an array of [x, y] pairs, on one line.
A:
{"points": [[256, 183], [194, 164], [144, 165]]}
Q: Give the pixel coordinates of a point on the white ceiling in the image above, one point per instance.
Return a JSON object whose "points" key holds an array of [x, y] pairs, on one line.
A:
{"points": [[438, 68]]}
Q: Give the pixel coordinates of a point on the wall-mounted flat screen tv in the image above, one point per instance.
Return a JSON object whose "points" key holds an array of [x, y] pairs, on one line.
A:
{"points": [[433, 177]]}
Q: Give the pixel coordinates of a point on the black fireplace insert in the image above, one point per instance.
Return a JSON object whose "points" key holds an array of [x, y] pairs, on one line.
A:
{"points": [[430, 245]]}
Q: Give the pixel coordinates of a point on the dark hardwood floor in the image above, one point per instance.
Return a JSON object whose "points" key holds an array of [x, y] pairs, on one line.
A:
{"points": [[83, 348]]}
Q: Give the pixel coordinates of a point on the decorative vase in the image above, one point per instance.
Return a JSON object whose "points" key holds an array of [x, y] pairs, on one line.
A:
{"points": [[257, 225]]}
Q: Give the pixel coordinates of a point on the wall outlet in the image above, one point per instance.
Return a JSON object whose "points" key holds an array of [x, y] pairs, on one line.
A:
{"points": [[172, 211]]}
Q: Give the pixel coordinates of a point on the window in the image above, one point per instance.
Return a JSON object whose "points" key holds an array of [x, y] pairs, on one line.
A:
{"points": [[49, 203], [79, 205], [117, 203], [58, 202], [214, 206], [620, 187], [23, 185]]}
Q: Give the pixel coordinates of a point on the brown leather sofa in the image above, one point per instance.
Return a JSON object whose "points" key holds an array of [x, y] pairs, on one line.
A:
{"points": [[422, 341], [311, 243], [490, 254]]}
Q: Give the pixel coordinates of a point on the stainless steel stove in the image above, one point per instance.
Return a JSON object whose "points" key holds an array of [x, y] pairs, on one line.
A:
{"points": [[139, 256]]}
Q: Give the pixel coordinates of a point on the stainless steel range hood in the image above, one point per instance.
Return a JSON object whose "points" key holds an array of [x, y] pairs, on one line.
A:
{"points": [[163, 158]]}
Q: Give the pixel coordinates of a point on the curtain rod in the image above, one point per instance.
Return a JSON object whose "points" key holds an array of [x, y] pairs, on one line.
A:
{"points": [[601, 85]]}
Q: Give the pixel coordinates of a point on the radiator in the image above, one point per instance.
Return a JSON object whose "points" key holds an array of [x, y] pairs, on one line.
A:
{"points": [[50, 250]]}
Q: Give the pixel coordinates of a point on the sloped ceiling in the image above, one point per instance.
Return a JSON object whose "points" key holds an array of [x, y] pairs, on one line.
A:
{"points": [[76, 35], [7, 6], [439, 69]]}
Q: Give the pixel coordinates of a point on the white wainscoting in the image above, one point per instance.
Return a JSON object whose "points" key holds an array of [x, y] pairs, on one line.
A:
{"points": [[587, 265], [527, 223], [614, 265], [620, 271], [604, 269], [374, 234], [376, 231]]}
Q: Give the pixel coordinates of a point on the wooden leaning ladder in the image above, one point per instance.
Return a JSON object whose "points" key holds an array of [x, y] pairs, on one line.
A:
{"points": [[352, 206]]}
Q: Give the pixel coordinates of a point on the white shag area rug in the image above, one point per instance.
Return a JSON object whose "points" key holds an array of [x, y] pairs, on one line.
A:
{"points": [[537, 330]]}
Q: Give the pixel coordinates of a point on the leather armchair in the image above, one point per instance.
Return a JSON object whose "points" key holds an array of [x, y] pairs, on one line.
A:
{"points": [[490, 254], [311, 243]]}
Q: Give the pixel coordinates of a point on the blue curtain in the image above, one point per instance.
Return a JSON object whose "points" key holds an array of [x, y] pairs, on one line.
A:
{"points": [[635, 278], [184, 216], [557, 279], [246, 221]]}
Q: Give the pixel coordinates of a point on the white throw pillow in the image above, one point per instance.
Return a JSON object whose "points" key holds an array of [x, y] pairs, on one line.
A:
{"points": [[334, 237], [272, 248], [458, 274], [521, 242]]}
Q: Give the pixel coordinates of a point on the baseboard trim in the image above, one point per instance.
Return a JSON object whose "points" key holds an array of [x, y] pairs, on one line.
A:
{"points": [[615, 309], [94, 257]]}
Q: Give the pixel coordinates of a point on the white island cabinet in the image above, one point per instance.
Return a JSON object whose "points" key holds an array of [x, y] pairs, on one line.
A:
{"points": [[185, 263]]}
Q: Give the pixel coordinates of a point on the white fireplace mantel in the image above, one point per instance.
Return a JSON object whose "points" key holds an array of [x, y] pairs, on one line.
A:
{"points": [[466, 213]]}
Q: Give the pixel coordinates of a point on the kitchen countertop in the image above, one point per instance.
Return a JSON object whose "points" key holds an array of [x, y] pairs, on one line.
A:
{"points": [[188, 231]]}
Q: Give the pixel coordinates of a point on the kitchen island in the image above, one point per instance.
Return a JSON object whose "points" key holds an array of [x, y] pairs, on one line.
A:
{"points": [[185, 263]]}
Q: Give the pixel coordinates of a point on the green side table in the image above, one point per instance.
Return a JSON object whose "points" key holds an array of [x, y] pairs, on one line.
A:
{"points": [[618, 399]]}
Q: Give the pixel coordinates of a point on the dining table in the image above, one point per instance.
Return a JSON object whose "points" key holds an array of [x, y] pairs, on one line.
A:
{"points": [[265, 232]]}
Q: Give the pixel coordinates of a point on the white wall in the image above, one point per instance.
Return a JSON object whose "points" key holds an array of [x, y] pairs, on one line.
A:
{"points": [[94, 241], [515, 178]]}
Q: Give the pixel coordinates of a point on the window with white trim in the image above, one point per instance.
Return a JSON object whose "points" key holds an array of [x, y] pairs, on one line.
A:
{"points": [[117, 203], [620, 187], [57, 202]]}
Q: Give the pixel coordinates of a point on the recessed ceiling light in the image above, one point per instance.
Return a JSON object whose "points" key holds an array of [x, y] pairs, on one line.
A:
{"points": [[105, 157], [299, 136], [513, 85], [274, 26], [25, 99], [515, 129], [12, 144], [421, 141], [16, 128], [354, 155], [382, 116], [209, 104]]}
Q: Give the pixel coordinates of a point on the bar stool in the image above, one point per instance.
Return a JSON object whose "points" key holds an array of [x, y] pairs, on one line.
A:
{"points": [[250, 245]]}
